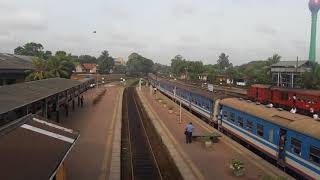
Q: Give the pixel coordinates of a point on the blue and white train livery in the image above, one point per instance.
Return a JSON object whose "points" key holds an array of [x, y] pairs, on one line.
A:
{"points": [[292, 140]]}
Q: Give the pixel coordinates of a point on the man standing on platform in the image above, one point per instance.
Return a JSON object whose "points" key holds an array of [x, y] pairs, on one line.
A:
{"points": [[188, 133]]}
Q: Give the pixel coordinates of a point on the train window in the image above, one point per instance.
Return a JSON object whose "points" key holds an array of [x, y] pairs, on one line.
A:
{"points": [[260, 130], [225, 115], [314, 154], [250, 126], [296, 146], [240, 121], [232, 116], [270, 135]]}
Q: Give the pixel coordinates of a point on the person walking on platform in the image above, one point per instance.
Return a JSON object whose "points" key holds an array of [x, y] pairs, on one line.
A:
{"points": [[81, 101], [188, 133]]}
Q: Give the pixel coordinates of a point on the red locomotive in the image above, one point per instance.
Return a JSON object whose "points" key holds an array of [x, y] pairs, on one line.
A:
{"points": [[305, 101]]}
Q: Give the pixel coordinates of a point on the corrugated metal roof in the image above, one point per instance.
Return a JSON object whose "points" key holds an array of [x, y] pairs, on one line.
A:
{"points": [[34, 148], [21, 94], [10, 61], [310, 92], [289, 64], [296, 122]]}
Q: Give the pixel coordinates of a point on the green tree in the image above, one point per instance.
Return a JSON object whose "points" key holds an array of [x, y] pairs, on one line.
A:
{"points": [[61, 53], [212, 71], [194, 69], [61, 65], [311, 79], [120, 69], [87, 59], [161, 69], [46, 55], [139, 65], [178, 65], [30, 49], [223, 62], [40, 71], [57, 67], [273, 59], [106, 63]]}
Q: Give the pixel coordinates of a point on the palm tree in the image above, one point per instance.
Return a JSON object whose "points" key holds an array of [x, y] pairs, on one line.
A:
{"points": [[273, 59], [57, 67], [40, 71]]}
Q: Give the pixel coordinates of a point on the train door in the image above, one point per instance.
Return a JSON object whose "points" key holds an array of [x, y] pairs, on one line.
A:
{"points": [[267, 94], [216, 112], [282, 144]]}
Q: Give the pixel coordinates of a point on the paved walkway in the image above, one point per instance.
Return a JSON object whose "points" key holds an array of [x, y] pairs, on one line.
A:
{"points": [[214, 162], [91, 156]]}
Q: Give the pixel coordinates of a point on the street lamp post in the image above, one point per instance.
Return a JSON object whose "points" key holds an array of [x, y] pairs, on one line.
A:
{"points": [[186, 74], [97, 74]]}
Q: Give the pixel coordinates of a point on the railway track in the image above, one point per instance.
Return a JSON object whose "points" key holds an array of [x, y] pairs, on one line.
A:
{"points": [[137, 149]]}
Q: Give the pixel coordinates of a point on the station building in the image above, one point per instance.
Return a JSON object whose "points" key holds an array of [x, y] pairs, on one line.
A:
{"points": [[289, 73]]}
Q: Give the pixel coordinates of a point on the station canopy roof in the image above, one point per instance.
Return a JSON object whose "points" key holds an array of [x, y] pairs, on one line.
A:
{"points": [[15, 62], [34, 148], [289, 64], [18, 95]]}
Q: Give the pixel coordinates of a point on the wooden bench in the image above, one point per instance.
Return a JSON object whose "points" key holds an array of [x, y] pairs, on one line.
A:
{"points": [[206, 136]]}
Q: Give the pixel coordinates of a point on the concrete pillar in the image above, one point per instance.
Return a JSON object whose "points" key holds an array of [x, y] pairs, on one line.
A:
{"points": [[66, 107], [292, 79], [57, 109], [78, 99], [45, 108]]}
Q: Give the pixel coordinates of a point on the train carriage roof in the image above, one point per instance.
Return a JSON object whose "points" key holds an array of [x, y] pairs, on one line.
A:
{"points": [[299, 123], [194, 90], [299, 91], [261, 86]]}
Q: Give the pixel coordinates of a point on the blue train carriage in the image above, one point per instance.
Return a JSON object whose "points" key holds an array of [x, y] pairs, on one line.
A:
{"points": [[292, 140], [201, 105]]}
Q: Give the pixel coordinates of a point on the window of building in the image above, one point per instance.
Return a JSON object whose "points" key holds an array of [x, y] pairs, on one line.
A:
{"points": [[260, 130], [240, 121], [314, 154], [270, 135], [225, 115], [250, 126], [296, 146], [232, 116]]}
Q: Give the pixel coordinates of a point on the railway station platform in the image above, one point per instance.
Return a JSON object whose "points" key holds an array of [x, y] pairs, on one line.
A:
{"points": [[196, 161], [97, 153]]}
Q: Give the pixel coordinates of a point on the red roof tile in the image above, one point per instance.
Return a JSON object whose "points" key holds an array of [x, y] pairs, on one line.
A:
{"points": [[89, 66]]}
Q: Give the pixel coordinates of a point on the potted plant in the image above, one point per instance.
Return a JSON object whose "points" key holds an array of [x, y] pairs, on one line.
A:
{"points": [[238, 167], [170, 109]]}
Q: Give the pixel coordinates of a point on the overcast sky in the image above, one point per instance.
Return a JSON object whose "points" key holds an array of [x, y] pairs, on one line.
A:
{"points": [[160, 29]]}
